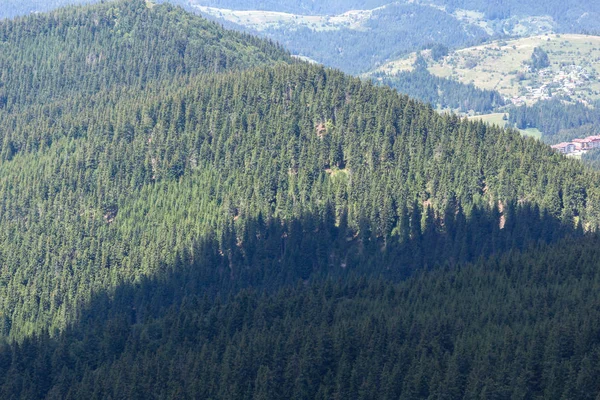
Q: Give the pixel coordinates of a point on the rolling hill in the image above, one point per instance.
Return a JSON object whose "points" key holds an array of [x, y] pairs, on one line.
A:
{"points": [[158, 155], [190, 212], [574, 68], [360, 36]]}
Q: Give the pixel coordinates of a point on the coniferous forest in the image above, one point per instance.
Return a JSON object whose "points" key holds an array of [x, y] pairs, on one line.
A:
{"points": [[558, 120], [189, 212], [441, 92]]}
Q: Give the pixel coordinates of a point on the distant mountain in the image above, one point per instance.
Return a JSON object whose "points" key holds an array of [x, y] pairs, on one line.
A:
{"points": [[13, 8], [575, 12], [355, 41], [454, 23], [357, 36]]}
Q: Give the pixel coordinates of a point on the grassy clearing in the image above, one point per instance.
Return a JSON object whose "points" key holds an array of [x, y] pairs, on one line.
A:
{"points": [[492, 119], [498, 119], [532, 132]]}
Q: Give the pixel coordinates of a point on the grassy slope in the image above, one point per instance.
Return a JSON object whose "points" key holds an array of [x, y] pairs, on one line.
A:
{"points": [[495, 65], [498, 119]]}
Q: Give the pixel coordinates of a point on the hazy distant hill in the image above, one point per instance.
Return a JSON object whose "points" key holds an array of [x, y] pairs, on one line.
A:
{"points": [[357, 36], [356, 41], [12, 8], [571, 11], [505, 66]]}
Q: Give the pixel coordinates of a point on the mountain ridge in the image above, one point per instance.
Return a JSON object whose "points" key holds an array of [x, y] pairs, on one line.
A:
{"points": [[200, 232], [103, 153]]}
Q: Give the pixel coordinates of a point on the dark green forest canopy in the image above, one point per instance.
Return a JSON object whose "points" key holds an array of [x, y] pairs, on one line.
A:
{"points": [[188, 212], [118, 170], [518, 325]]}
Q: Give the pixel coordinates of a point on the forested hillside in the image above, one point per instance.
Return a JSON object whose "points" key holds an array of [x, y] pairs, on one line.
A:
{"points": [[164, 182], [441, 92], [558, 120], [518, 325], [79, 51], [121, 173]]}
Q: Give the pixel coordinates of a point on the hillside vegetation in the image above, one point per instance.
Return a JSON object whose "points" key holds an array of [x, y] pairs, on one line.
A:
{"points": [[504, 66], [520, 325], [358, 36], [106, 173], [188, 212]]}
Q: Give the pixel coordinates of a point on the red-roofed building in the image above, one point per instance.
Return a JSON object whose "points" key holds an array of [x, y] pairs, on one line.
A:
{"points": [[583, 144], [595, 141], [565, 147]]}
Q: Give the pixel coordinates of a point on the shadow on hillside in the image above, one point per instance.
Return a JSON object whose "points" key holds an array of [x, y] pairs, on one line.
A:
{"points": [[265, 256]]}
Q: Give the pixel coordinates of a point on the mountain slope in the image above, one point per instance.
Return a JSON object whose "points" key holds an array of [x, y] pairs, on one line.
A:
{"points": [[136, 215], [85, 50], [504, 66], [356, 41], [520, 325], [112, 189], [359, 36], [559, 10]]}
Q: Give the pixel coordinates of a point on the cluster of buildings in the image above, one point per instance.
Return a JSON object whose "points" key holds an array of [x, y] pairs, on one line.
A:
{"points": [[578, 146], [563, 82]]}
